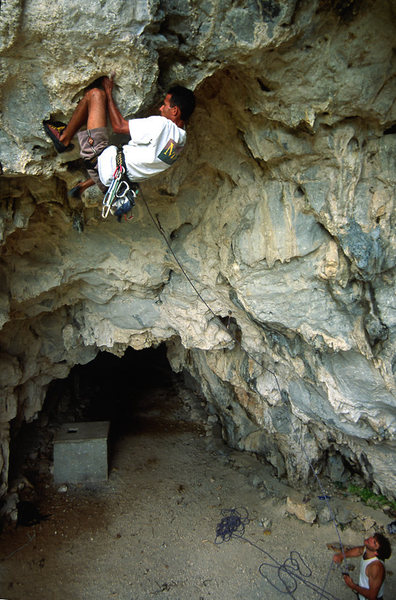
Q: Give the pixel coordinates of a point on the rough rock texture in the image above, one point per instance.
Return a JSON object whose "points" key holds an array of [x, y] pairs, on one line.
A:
{"points": [[281, 211]]}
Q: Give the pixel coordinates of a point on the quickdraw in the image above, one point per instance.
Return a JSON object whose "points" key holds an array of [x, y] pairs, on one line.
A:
{"points": [[112, 191], [120, 196]]}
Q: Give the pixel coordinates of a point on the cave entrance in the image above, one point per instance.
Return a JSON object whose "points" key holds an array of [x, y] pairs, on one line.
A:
{"points": [[128, 391]]}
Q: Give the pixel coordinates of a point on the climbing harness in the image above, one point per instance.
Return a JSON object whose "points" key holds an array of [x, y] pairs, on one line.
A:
{"points": [[120, 196]]}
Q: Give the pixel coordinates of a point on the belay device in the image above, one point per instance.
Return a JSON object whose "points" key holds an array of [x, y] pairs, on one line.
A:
{"points": [[120, 196]]}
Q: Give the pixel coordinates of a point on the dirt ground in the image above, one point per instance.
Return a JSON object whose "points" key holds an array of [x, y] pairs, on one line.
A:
{"points": [[150, 530]]}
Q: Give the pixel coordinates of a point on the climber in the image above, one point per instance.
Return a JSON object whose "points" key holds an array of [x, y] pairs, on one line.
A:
{"points": [[155, 142], [376, 549]]}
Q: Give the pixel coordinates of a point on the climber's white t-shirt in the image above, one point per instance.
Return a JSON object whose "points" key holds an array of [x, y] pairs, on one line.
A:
{"points": [[155, 144]]}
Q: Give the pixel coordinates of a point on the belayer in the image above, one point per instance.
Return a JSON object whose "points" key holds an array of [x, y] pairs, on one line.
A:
{"points": [[155, 142], [375, 550]]}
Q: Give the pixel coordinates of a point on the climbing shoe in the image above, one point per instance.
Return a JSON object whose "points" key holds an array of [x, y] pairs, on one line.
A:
{"points": [[54, 130]]}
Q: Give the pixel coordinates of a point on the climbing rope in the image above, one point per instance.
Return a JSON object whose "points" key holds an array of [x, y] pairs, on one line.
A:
{"points": [[283, 395], [163, 234], [231, 522]]}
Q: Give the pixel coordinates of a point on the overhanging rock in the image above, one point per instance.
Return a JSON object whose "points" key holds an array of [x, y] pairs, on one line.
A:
{"points": [[281, 210]]}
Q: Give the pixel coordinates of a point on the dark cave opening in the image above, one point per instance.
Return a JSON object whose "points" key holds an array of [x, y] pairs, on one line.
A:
{"points": [[110, 387]]}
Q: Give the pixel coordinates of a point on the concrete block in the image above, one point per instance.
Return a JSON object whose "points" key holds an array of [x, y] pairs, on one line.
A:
{"points": [[81, 452]]}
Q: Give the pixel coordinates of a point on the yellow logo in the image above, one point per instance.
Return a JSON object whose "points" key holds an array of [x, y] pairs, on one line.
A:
{"points": [[170, 152]]}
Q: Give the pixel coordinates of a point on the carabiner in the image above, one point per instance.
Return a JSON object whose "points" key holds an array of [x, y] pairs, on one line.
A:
{"points": [[112, 191], [124, 190]]}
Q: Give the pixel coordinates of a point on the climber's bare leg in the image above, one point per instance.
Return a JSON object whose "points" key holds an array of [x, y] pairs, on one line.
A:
{"points": [[90, 112]]}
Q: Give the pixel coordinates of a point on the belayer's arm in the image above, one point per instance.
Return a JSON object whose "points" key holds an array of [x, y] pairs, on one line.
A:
{"points": [[356, 551]]}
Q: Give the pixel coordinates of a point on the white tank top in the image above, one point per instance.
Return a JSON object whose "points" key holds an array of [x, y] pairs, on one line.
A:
{"points": [[363, 579]]}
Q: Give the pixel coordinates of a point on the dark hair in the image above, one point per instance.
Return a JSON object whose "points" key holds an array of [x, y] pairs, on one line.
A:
{"points": [[184, 99], [384, 551]]}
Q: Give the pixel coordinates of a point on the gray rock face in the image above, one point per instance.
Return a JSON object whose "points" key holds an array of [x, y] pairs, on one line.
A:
{"points": [[281, 211]]}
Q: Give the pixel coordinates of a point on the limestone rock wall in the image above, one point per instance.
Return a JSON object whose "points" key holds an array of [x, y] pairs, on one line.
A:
{"points": [[281, 211]]}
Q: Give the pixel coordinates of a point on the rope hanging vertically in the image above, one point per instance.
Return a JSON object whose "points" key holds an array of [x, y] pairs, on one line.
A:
{"points": [[283, 395]]}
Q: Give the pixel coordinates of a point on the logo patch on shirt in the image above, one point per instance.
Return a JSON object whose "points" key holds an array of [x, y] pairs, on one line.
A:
{"points": [[170, 152]]}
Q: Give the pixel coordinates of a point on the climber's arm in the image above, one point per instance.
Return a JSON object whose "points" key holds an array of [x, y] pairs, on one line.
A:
{"points": [[118, 123]]}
